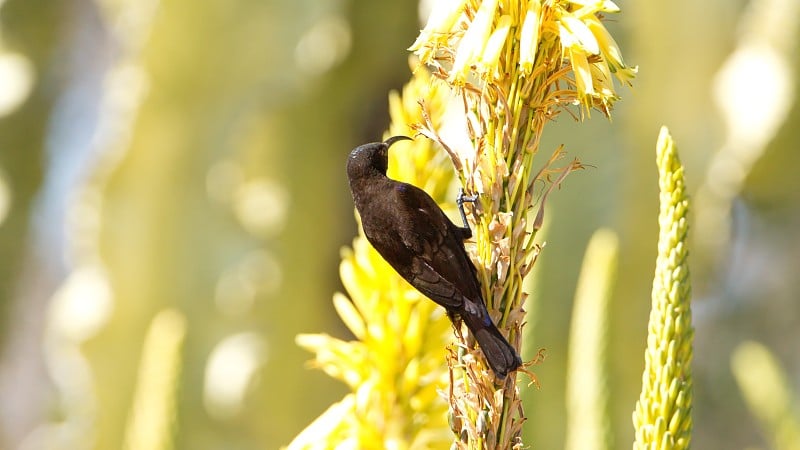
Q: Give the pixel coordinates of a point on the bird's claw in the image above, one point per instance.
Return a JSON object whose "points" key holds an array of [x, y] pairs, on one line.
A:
{"points": [[466, 231], [464, 198]]}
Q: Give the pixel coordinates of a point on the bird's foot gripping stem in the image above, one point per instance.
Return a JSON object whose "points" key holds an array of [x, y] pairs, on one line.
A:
{"points": [[460, 200]]}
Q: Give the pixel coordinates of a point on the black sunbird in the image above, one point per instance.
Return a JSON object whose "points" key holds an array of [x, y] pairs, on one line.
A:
{"points": [[411, 232]]}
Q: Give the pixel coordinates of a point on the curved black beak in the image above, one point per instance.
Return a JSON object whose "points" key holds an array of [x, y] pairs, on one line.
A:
{"points": [[394, 139]]}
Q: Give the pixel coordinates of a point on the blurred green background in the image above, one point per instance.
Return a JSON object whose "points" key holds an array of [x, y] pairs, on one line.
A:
{"points": [[174, 154]]}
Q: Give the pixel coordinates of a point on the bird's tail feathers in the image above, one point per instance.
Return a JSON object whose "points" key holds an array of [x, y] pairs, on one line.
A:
{"points": [[500, 355]]}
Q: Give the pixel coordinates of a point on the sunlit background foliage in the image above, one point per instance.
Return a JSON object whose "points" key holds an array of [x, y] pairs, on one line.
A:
{"points": [[173, 202]]}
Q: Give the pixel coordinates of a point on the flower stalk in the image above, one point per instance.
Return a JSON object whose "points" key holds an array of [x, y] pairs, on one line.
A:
{"points": [[515, 66], [662, 419]]}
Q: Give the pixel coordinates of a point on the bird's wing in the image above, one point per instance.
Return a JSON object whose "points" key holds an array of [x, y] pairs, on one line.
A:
{"points": [[426, 280], [440, 267]]}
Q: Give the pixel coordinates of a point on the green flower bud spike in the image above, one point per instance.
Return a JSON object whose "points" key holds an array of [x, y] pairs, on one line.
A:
{"points": [[662, 419]]}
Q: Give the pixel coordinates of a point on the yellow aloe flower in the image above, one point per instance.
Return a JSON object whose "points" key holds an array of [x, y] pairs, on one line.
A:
{"points": [[465, 41], [662, 419], [515, 64]]}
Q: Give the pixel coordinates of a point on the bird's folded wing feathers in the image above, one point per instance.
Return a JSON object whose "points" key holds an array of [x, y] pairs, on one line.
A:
{"points": [[434, 286], [438, 263], [425, 233]]}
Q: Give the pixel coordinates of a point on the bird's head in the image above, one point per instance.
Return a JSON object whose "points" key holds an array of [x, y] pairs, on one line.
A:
{"points": [[370, 158]]}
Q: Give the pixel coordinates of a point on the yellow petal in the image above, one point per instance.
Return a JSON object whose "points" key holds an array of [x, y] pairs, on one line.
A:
{"points": [[473, 42], [312, 342], [443, 17], [488, 63], [597, 5], [350, 315], [319, 433], [608, 46], [529, 36], [579, 34], [602, 80], [583, 74], [626, 75], [609, 7]]}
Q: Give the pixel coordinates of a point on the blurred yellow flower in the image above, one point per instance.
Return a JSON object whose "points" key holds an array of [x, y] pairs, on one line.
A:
{"points": [[396, 365]]}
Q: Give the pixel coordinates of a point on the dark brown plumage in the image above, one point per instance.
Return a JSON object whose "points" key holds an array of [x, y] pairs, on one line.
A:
{"points": [[411, 232]]}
